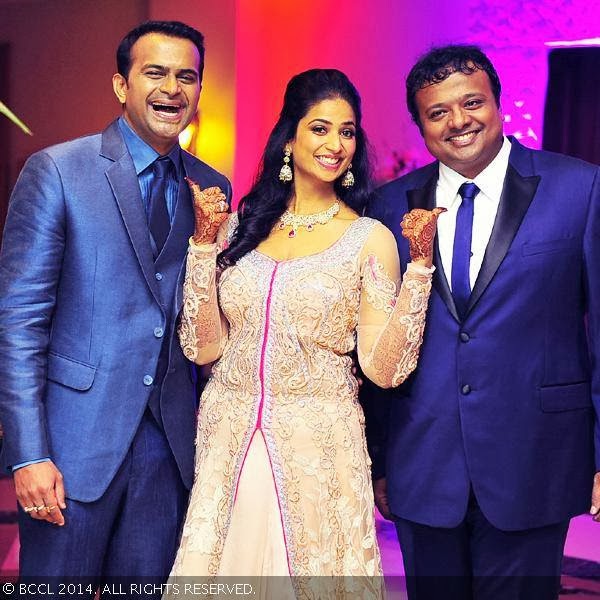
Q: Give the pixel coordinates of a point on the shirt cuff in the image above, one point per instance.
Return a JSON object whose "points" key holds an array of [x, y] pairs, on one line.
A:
{"points": [[29, 462]]}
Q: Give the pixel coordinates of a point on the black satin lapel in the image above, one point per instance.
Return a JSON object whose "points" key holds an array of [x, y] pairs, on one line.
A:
{"points": [[516, 197], [440, 283], [124, 183], [425, 198]]}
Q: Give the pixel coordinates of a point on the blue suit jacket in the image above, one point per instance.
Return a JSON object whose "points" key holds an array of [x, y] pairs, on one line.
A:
{"points": [[503, 401], [79, 304]]}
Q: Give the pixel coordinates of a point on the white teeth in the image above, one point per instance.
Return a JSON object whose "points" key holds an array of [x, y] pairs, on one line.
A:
{"points": [[463, 137], [328, 160]]}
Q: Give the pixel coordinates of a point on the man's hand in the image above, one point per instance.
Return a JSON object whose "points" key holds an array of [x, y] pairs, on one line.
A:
{"points": [[210, 210], [595, 510], [381, 499], [40, 492]]}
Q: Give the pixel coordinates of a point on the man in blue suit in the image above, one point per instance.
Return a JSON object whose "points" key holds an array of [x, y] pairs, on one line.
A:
{"points": [[488, 450], [97, 400]]}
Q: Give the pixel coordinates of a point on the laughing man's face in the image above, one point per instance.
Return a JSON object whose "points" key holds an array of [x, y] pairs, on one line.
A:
{"points": [[160, 94]]}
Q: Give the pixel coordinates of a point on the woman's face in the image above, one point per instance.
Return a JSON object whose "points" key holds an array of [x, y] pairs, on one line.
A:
{"points": [[325, 141]]}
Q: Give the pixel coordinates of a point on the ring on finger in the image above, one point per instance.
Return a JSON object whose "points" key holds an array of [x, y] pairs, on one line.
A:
{"points": [[38, 508], [28, 509], [50, 508]]}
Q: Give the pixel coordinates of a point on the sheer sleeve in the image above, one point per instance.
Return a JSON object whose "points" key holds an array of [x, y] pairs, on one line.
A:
{"points": [[203, 329], [390, 324]]}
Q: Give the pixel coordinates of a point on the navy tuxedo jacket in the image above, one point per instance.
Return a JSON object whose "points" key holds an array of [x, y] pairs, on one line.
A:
{"points": [[83, 315], [504, 401]]}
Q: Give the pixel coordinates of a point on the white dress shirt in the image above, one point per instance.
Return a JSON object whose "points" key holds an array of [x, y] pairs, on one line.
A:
{"points": [[490, 181]]}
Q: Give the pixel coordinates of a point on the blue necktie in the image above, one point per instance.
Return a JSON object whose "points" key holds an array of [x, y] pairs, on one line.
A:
{"points": [[461, 253], [159, 222]]}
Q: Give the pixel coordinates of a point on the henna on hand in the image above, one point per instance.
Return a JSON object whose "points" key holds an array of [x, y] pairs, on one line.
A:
{"points": [[210, 210], [418, 227]]}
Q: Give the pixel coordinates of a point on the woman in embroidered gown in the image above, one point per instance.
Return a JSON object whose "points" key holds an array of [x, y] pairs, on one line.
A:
{"points": [[287, 291]]}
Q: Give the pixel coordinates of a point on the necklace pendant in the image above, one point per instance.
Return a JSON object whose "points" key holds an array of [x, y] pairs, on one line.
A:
{"points": [[289, 219]]}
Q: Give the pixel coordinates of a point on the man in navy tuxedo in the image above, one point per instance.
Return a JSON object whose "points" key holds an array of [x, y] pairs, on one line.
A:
{"points": [[97, 400], [487, 451]]}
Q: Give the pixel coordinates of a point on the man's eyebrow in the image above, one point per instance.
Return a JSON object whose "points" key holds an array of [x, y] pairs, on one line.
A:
{"points": [[462, 99], [163, 68], [188, 72]]}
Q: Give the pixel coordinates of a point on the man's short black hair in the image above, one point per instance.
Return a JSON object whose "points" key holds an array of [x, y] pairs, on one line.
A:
{"points": [[439, 63], [175, 29]]}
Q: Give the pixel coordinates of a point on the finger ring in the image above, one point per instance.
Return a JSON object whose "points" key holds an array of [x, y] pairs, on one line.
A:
{"points": [[41, 507], [28, 509], [50, 508]]}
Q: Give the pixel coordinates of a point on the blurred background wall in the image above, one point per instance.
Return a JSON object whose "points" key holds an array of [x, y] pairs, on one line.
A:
{"points": [[57, 59]]}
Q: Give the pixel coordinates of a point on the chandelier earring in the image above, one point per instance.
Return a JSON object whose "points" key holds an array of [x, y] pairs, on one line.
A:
{"points": [[348, 179], [285, 174]]}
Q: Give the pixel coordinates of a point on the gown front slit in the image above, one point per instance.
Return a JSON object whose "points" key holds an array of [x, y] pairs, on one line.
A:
{"points": [[282, 475]]}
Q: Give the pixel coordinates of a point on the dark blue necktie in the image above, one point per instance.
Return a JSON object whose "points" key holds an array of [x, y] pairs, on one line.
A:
{"points": [[158, 215], [461, 253]]}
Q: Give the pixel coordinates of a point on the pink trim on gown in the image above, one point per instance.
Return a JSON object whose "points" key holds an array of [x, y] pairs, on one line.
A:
{"points": [[282, 478]]}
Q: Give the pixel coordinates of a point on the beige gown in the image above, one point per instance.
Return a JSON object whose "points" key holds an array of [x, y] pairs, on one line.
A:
{"points": [[282, 476]]}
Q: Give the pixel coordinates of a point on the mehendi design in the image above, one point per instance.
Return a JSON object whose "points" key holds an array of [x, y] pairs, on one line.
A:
{"points": [[394, 354], [200, 325], [418, 227], [210, 210]]}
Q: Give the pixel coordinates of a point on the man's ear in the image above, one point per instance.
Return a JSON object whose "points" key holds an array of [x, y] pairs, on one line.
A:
{"points": [[120, 87]]}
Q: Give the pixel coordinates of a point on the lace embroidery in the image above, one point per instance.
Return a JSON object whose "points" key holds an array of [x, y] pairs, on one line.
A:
{"points": [[312, 422], [232, 224], [380, 289], [394, 355], [202, 332], [200, 322]]}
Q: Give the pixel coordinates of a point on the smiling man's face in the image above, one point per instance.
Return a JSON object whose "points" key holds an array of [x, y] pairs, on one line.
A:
{"points": [[461, 122], [160, 94]]}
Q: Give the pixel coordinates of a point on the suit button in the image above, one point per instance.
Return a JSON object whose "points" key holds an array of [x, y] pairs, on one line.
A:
{"points": [[148, 380], [465, 389], [464, 336], [158, 332], [158, 276]]}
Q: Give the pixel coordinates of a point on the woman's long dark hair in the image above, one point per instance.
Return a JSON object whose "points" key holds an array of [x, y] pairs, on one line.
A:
{"points": [[260, 209]]}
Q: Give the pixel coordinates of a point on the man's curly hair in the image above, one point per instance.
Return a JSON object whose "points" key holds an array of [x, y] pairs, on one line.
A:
{"points": [[439, 63]]}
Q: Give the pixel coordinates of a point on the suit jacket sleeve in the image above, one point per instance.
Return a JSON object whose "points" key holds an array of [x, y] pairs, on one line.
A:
{"points": [[376, 403], [592, 273], [30, 267]]}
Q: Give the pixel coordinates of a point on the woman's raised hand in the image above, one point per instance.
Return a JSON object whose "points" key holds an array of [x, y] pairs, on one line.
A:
{"points": [[210, 210], [418, 227]]}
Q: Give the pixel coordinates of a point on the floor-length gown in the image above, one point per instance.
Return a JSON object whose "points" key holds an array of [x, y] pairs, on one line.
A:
{"points": [[282, 477]]}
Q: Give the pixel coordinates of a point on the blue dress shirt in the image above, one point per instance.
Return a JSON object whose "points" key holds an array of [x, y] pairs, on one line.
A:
{"points": [[143, 156]]}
